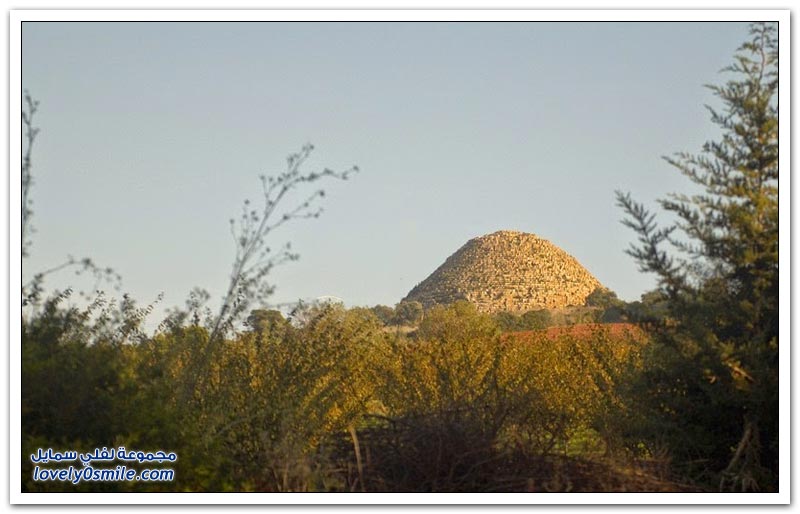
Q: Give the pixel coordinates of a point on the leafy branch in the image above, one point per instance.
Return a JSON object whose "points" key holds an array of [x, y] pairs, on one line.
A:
{"points": [[254, 258], [33, 289], [28, 112]]}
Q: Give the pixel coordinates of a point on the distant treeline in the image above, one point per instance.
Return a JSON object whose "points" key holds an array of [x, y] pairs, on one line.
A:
{"points": [[602, 306]]}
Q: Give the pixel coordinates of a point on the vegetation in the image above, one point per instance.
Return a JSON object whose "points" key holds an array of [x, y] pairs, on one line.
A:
{"points": [[531, 320], [711, 385], [675, 392], [333, 403]]}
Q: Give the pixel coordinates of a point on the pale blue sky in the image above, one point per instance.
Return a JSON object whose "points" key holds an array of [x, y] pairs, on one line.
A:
{"points": [[153, 134]]}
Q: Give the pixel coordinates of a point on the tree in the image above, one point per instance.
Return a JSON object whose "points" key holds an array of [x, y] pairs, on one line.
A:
{"points": [[266, 320], [508, 321], [603, 298], [408, 313], [383, 313], [652, 307], [254, 257], [718, 266], [536, 320]]}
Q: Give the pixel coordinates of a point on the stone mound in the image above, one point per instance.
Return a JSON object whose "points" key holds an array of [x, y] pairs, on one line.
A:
{"points": [[507, 271]]}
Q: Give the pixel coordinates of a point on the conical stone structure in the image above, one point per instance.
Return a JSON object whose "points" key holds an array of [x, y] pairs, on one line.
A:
{"points": [[508, 271]]}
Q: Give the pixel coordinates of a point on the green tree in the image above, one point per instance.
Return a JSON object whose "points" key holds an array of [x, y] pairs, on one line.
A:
{"points": [[718, 266], [267, 321], [536, 320], [507, 321], [652, 307], [408, 313], [383, 313], [610, 308], [603, 298]]}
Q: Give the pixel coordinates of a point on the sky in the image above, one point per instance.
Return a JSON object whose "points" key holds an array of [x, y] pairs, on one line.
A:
{"points": [[152, 135]]}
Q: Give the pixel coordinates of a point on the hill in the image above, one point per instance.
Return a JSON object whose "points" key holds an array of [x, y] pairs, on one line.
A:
{"points": [[507, 271]]}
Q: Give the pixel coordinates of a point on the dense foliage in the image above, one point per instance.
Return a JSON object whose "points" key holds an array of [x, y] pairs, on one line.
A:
{"points": [[334, 402], [711, 386]]}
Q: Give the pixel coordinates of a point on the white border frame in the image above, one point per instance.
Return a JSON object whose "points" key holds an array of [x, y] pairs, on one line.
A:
{"points": [[15, 105]]}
